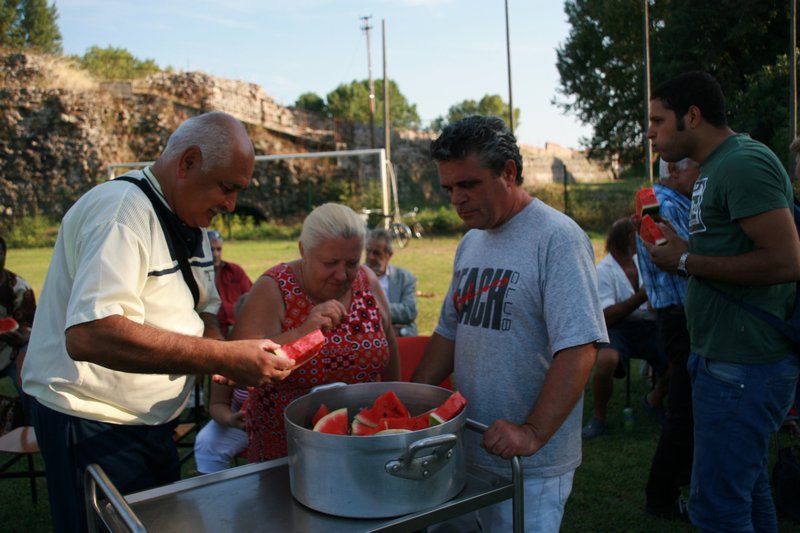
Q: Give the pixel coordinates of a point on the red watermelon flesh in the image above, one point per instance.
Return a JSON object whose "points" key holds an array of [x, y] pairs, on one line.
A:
{"points": [[322, 411], [334, 423], [388, 405], [8, 324], [646, 203], [448, 410], [410, 423], [305, 348], [650, 232]]}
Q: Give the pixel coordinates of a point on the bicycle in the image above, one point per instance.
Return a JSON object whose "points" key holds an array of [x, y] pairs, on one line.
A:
{"points": [[399, 231], [417, 231]]}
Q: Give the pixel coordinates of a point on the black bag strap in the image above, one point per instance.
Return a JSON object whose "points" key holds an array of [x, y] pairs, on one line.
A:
{"points": [[170, 232], [790, 328]]}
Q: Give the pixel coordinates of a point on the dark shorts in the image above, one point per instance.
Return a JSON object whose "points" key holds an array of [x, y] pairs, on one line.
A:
{"points": [[636, 338]]}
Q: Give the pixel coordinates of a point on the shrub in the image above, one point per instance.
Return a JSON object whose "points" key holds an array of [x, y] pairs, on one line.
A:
{"points": [[32, 232], [594, 206]]}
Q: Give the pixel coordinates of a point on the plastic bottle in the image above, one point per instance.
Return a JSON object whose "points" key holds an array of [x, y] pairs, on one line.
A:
{"points": [[627, 416]]}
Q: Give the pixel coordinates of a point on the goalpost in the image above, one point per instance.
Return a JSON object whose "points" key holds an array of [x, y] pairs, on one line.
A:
{"points": [[388, 179]]}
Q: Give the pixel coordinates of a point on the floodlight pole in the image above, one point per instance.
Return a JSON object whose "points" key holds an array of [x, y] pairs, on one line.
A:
{"points": [[648, 149], [366, 29], [387, 138], [510, 96]]}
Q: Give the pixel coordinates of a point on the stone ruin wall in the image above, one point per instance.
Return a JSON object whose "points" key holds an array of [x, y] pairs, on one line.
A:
{"points": [[60, 129]]}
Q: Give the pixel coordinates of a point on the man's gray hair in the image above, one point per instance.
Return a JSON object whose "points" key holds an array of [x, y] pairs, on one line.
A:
{"points": [[683, 164], [331, 221], [380, 234], [210, 132]]}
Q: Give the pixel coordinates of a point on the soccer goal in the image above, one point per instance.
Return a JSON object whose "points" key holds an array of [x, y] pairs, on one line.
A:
{"points": [[385, 170]]}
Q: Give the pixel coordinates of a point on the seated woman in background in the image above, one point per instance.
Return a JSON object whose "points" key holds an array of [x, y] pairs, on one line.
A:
{"points": [[224, 437], [326, 288]]}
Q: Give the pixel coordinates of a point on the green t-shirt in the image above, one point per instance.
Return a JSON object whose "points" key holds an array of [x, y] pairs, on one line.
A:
{"points": [[741, 178]]}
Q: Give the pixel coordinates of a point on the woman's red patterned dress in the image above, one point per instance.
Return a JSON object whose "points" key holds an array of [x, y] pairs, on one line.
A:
{"points": [[355, 352]]}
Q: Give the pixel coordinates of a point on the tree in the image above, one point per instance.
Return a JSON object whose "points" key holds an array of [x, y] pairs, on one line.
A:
{"points": [[351, 102], [116, 64], [311, 102], [490, 104], [31, 24], [601, 64]]}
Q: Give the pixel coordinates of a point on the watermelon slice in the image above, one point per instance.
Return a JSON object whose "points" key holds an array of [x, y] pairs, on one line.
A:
{"points": [[305, 348], [322, 411], [410, 423], [8, 324], [359, 429], [388, 405], [334, 423], [448, 410], [368, 418], [650, 232], [646, 203]]}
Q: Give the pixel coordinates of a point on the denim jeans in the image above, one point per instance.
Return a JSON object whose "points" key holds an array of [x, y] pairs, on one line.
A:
{"points": [[736, 408]]}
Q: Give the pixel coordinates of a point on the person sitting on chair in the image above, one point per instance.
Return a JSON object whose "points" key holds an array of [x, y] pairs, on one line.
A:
{"points": [[631, 326], [399, 285]]}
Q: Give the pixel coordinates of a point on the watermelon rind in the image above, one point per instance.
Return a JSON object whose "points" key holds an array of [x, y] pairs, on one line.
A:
{"points": [[393, 431], [334, 423]]}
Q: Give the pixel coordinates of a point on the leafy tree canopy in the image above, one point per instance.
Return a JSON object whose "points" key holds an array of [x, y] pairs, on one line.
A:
{"points": [[30, 24], [490, 104], [311, 102], [351, 102], [601, 66], [116, 64]]}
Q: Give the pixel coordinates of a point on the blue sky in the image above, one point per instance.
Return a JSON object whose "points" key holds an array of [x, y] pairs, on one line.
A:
{"points": [[440, 52]]}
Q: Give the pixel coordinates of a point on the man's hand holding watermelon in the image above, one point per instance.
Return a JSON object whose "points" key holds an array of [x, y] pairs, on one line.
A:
{"points": [[667, 256]]}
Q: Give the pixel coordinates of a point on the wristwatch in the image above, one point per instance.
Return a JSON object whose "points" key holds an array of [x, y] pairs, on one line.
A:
{"points": [[682, 265]]}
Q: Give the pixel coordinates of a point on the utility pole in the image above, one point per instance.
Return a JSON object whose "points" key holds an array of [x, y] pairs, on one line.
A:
{"points": [[793, 77], [510, 97], [648, 149], [387, 138], [366, 27]]}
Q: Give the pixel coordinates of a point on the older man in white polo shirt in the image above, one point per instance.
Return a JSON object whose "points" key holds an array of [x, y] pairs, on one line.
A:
{"points": [[128, 298]]}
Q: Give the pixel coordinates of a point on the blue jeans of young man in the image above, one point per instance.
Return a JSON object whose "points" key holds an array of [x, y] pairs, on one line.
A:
{"points": [[736, 408]]}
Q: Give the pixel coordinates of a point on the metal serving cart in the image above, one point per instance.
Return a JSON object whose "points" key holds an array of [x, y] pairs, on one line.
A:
{"points": [[257, 497]]}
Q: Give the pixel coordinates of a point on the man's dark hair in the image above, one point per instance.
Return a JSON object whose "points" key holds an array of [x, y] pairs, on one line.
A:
{"points": [[618, 240], [3, 244], [487, 137], [695, 88]]}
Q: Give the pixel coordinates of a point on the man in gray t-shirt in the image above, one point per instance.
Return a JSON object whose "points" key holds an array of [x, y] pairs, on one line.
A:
{"points": [[519, 323]]}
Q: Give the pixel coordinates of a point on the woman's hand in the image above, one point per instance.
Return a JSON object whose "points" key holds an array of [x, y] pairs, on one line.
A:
{"points": [[326, 316], [237, 420]]}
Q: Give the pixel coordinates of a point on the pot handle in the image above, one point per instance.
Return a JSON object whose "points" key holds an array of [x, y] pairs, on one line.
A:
{"points": [[413, 466]]}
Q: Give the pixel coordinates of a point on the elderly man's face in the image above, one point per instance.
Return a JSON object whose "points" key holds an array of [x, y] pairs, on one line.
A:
{"points": [[377, 256], [201, 194], [216, 252]]}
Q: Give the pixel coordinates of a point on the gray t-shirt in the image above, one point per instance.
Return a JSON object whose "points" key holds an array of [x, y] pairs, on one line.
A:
{"points": [[519, 294]]}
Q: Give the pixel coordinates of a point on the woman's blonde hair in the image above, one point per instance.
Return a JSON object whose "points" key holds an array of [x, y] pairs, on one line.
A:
{"points": [[331, 220]]}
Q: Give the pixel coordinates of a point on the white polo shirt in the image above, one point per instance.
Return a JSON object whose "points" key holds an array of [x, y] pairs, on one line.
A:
{"points": [[112, 258]]}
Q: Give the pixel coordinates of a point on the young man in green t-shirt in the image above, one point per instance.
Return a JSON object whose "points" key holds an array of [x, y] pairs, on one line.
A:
{"points": [[743, 242]]}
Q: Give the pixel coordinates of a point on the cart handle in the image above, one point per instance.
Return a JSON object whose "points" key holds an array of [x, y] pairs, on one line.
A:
{"points": [[517, 502], [96, 477]]}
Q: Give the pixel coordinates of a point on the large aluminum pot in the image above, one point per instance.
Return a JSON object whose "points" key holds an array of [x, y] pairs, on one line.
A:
{"points": [[376, 476]]}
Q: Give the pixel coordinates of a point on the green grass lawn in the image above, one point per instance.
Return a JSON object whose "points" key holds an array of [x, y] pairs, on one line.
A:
{"points": [[608, 493]]}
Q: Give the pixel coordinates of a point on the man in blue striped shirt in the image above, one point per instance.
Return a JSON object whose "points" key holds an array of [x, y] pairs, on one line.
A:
{"points": [[672, 463]]}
